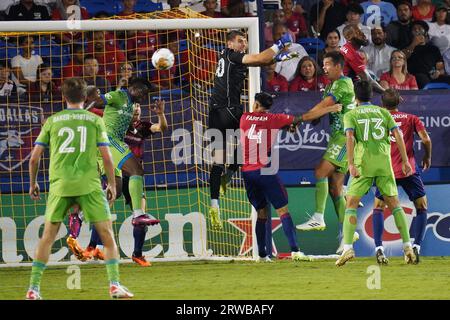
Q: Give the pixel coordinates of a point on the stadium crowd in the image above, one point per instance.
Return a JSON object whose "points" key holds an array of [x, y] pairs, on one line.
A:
{"points": [[408, 45]]}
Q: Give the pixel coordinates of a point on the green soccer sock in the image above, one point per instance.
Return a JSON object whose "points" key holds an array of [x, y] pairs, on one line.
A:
{"points": [[349, 226], [339, 206], [400, 222], [321, 195], [112, 268], [37, 270], [136, 187]]}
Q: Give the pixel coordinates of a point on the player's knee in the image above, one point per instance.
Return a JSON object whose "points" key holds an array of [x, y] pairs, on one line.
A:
{"points": [[421, 203], [378, 204], [282, 210]]}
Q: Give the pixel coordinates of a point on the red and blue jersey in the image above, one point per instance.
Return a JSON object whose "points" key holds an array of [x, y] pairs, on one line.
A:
{"points": [[258, 133], [135, 136]]}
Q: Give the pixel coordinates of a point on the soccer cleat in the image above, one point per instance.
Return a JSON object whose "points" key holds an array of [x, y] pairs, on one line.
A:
{"points": [[410, 257], [381, 258], [345, 256], [311, 224], [264, 259], [93, 253], [216, 222], [76, 249], [117, 291], [416, 253], [144, 220], [300, 256], [141, 261], [340, 249], [33, 294], [75, 225]]}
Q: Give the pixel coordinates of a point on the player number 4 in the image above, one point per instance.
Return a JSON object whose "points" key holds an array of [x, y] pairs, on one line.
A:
{"points": [[377, 132], [64, 148], [254, 136]]}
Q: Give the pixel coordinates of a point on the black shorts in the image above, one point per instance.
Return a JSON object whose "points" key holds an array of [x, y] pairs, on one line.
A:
{"points": [[224, 118]]}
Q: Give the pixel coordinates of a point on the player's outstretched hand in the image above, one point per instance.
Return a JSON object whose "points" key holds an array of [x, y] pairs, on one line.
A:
{"points": [[426, 163], [354, 171], [158, 106], [34, 192], [285, 56], [406, 168], [285, 41], [336, 107], [111, 194]]}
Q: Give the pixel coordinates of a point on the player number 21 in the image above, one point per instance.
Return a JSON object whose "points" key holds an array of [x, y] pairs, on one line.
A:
{"points": [[64, 148], [377, 133]]}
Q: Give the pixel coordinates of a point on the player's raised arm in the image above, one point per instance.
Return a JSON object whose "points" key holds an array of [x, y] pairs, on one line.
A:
{"points": [[271, 54], [161, 126], [426, 161]]}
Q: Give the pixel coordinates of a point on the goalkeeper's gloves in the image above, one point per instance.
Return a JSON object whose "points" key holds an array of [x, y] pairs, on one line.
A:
{"points": [[285, 56], [284, 42]]}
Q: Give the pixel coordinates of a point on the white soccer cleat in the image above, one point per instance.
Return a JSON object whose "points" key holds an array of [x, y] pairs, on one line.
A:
{"points": [[33, 294], [340, 249], [346, 256], [312, 224], [300, 256], [263, 260], [117, 291], [410, 257]]}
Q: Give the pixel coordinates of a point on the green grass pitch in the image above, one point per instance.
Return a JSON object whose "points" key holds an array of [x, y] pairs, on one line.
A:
{"points": [[283, 279]]}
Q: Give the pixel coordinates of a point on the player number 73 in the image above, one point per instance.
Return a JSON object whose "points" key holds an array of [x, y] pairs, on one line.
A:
{"points": [[377, 133]]}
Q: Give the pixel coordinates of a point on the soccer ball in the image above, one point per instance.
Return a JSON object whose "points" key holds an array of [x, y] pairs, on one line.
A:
{"points": [[163, 59]]}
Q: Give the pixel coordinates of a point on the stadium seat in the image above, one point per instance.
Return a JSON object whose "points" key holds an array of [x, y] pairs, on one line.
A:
{"points": [[436, 85], [312, 45]]}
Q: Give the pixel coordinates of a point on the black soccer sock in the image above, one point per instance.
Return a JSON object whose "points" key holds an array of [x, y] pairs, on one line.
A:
{"points": [[260, 231], [139, 239], [214, 180], [95, 238]]}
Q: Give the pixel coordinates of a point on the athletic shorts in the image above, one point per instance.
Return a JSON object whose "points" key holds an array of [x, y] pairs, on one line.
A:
{"points": [[224, 118], [412, 185], [94, 205], [336, 152], [261, 188], [361, 185], [120, 153]]}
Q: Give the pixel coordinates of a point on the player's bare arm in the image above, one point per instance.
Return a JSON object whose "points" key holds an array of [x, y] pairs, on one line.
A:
{"points": [[33, 171], [350, 153], [158, 108], [325, 106], [426, 141], [109, 169], [406, 167]]}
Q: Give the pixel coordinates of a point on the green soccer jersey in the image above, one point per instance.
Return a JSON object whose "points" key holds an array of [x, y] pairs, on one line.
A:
{"points": [[118, 113], [73, 136], [371, 125], [342, 92]]}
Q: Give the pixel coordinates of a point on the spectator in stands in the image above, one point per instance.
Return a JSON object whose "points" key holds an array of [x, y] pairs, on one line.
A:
{"points": [[7, 86], [235, 9], [295, 22], [126, 72], [288, 68], [75, 66], [174, 4], [211, 6], [382, 17], [332, 44], [327, 17], [108, 55], [398, 33], [128, 8], [308, 77], [378, 52], [27, 10], [65, 9], [44, 87], [277, 17], [274, 81], [4, 7], [353, 16], [398, 77], [422, 56], [140, 45], [424, 10], [91, 74], [440, 30], [24, 66]]}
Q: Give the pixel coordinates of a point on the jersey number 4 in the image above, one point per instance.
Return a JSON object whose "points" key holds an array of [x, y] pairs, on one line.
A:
{"points": [[252, 135], [64, 148], [378, 131]]}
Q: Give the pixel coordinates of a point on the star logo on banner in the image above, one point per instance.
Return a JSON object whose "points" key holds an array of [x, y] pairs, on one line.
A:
{"points": [[244, 225]]}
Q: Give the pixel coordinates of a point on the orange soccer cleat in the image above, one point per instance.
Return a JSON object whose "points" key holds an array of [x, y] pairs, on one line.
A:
{"points": [[75, 248], [93, 253], [141, 261]]}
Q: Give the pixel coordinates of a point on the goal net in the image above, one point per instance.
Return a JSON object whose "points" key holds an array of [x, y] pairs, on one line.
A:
{"points": [[176, 167]]}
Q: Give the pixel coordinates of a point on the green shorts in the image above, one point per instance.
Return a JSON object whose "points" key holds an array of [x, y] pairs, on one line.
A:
{"points": [[94, 205], [120, 153], [361, 185], [336, 152]]}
